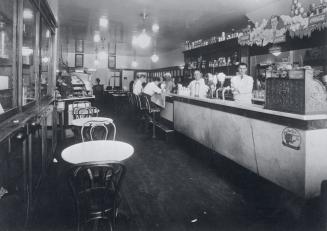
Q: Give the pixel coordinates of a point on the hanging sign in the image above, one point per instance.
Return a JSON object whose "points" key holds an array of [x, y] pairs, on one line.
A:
{"points": [[269, 31]]}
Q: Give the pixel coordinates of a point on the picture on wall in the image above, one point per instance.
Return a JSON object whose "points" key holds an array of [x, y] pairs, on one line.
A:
{"points": [[112, 48], [79, 60], [79, 46], [112, 62]]}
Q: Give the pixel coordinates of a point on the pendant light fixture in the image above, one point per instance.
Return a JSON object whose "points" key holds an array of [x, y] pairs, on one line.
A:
{"points": [[103, 22], [143, 40], [155, 57], [155, 28], [96, 37]]}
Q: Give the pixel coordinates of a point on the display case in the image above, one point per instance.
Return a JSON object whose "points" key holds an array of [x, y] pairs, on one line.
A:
{"points": [[300, 93], [8, 89]]}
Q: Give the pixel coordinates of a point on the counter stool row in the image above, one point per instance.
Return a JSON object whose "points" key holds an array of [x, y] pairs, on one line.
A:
{"points": [[144, 109]]}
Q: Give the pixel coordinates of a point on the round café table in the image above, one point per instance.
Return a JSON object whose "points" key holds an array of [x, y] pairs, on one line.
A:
{"points": [[97, 151], [81, 121]]}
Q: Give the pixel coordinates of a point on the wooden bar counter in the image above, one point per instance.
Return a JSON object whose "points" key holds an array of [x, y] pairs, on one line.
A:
{"points": [[287, 149]]}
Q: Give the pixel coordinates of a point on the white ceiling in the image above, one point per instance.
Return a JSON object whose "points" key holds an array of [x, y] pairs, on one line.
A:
{"points": [[179, 20]]}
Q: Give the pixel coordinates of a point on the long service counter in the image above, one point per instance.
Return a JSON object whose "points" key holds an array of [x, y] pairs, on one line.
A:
{"points": [[287, 149]]}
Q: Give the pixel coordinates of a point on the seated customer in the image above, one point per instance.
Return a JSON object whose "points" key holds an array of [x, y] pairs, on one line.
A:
{"points": [[151, 88], [137, 87], [197, 87]]}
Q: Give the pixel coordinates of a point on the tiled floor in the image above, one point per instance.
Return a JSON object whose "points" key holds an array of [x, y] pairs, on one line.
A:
{"points": [[181, 186]]}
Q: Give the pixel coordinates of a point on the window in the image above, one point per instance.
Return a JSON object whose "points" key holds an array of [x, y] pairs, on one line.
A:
{"points": [[7, 99], [28, 52], [46, 57]]}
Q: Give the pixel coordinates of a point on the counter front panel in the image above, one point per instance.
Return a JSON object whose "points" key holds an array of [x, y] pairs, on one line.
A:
{"points": [[282, 147]]}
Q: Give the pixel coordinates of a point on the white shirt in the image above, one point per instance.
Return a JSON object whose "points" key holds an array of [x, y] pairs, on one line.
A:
{"points": [[137, 87], [202, 88], [242, 88], [151, 88]]}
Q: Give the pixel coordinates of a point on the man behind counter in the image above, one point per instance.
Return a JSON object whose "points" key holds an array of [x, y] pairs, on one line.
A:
{"points": [[242, 85], [197, 87]]}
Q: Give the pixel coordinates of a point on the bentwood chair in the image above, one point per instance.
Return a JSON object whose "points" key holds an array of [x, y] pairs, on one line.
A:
{"points": [[151, 110], [86, 112], [97, 130], [95, 189], [79, 104]]}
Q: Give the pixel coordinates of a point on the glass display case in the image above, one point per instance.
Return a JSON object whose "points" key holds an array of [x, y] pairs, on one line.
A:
{"points": [[6, 55], [28, 52], [45, 58]]}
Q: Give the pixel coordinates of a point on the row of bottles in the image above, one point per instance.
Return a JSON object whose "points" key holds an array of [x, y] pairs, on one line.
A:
{"points": [[214, 63]]}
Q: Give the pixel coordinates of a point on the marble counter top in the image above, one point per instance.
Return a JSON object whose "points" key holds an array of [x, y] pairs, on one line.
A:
{"points": [[250, 107]]}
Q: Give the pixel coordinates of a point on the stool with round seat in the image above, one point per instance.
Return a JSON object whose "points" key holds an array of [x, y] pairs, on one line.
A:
{"points": [[151, 110]]}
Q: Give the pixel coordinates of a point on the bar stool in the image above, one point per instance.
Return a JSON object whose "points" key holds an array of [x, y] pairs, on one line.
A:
{"points": [[152, 110], [131, 102], [95, 189]]}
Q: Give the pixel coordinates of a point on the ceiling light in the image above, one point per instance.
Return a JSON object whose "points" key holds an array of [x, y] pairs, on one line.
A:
{"points": [[143, 40], [155, 28], [275, 50], [27, 14], [103, 22], [134, 63], [96, 37], [154, 58]]}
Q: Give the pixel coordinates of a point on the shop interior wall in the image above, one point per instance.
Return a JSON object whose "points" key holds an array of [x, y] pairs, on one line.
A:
{"points": [[169, 59], [124, 56]]}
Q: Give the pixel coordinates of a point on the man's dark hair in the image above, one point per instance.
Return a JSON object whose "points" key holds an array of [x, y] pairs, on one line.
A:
{"points": [[142, 76], [242, 64]]}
